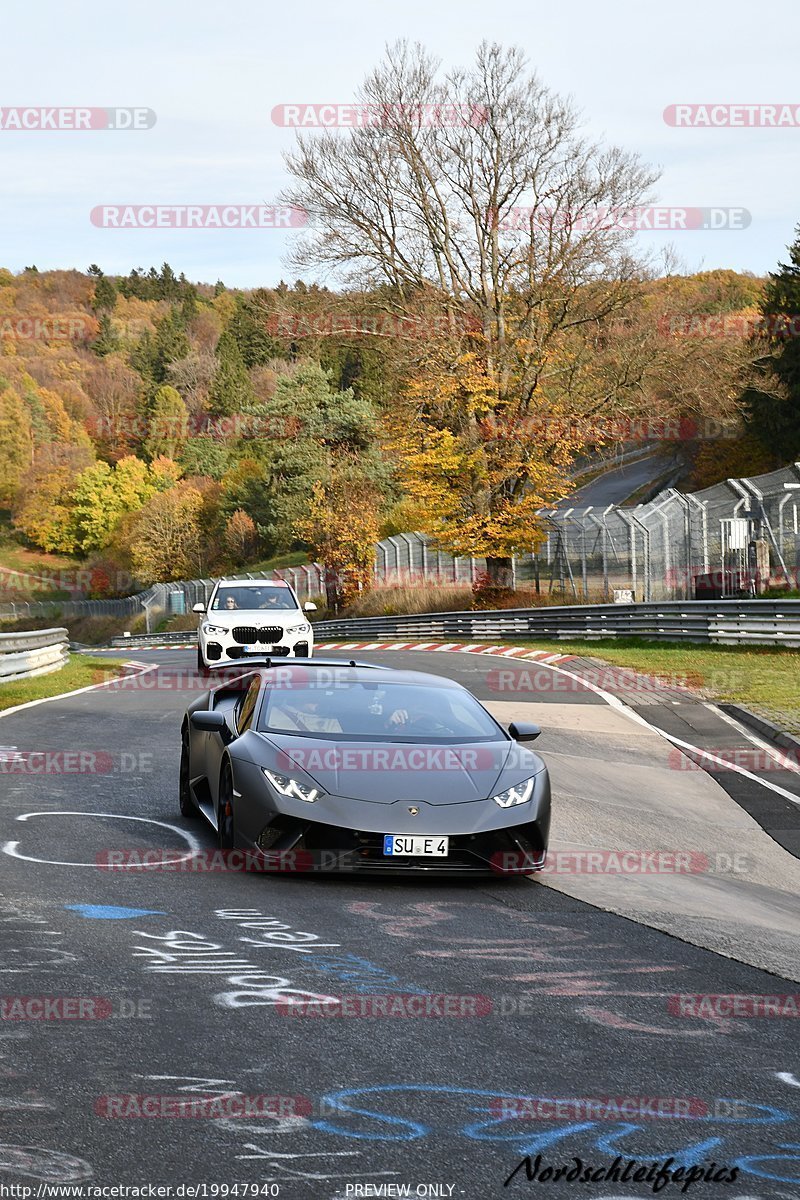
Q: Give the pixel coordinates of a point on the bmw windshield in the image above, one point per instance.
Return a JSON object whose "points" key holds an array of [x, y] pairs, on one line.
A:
{"points": [[248, 599]]}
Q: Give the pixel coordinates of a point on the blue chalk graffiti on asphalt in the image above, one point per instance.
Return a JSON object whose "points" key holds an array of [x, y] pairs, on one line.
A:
{"points": [[111, 912], [385, 1127]]}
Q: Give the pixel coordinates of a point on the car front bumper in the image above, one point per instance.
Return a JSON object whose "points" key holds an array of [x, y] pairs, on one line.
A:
{"points": [[343, 835], [217, 648]]}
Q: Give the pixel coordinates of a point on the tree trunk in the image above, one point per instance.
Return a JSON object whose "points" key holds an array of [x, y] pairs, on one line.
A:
{"points": [[500, 572], [333, 595]]}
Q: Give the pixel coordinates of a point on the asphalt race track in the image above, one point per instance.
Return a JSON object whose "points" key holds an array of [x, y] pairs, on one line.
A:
{"points": [[147, 1036], [614, 487]]}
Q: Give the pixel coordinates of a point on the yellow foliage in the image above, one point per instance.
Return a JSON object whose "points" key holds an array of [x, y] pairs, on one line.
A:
{"points": [[469, 460], [341, 528]]}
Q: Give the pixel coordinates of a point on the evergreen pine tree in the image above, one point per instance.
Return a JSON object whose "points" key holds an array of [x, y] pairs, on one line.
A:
{"points": [[170, 344], [105, 294], [107, 339], [774, 411], [231, 390]]}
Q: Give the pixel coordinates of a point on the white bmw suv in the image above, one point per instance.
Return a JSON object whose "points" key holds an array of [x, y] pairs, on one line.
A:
{"points": [[253, 616]]}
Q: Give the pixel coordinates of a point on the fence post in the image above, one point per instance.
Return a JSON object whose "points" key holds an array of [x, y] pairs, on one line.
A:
{"points": [[703, 506], [646, 557], [393, 542], [601, 526], [629, 520], [407, 541]]}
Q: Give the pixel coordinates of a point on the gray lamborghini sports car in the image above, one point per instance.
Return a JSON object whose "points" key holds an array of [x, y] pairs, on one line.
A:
{"points": [[329, 766]]}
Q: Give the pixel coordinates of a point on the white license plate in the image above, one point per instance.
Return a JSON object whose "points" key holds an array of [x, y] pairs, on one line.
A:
{"points": [[415, 847], [258, 649]]}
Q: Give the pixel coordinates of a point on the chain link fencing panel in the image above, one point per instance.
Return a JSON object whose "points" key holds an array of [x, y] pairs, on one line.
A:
{"points": [[671, 548]]}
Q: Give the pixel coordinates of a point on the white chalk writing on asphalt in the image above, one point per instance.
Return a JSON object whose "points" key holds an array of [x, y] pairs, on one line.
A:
{"points": [[183, 952]]}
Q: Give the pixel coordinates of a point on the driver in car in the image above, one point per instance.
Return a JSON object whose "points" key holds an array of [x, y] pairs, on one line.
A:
{"points": [[397, 718], [308, 716], [415, 720]]}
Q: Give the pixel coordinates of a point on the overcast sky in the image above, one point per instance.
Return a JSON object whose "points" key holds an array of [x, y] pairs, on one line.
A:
{"points": [[213, 73]]}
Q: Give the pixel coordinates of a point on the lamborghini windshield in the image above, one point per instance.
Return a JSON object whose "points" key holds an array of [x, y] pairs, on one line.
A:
{"points": [[378, 712]]}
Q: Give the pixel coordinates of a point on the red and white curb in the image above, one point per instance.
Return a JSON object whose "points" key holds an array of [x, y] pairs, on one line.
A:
{"points": [[505, 652], [169, 646], [147, 646], [462, 647], [448, 647]]}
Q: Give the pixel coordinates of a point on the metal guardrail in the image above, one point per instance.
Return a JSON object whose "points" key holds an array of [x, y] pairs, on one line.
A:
{"points": [[156, 639], [38, 652], [722, 623], [727, 623]]}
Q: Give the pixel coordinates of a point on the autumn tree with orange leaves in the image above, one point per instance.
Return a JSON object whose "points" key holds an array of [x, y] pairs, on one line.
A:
{"points": [[340, 527], [501, 218]]}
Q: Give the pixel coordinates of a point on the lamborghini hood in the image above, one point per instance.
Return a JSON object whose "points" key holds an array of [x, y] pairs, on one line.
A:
{"points": [[386, 772]]}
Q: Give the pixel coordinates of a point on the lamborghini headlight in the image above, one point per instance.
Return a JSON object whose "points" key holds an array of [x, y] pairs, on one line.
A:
{"points": [[286, 786], [520, 793]]}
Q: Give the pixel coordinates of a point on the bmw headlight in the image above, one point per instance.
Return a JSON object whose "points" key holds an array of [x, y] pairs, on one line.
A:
{"points": [[304, 628], [216, 629], [520, 793], [286, 786]]}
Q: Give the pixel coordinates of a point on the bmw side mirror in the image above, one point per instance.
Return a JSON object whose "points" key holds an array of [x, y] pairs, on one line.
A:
{"points": [[524, 731], [199, 608], [309, 606]]}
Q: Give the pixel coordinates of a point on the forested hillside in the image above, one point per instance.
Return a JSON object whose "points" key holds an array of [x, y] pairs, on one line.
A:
{"points": [[155, 428]]}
